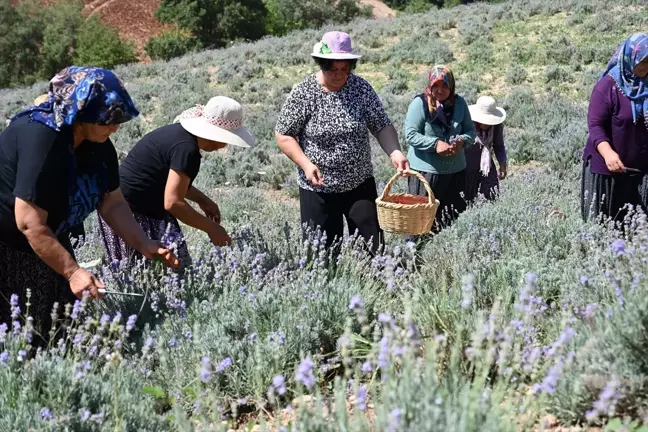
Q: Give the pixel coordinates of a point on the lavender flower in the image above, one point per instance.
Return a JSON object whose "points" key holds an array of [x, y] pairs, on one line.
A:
{"points": [[548, 384], [227, 362], [205, 371], [22, 354], [46, 414], [15, 309], [304, 373], [584, 279], [173, 342], [361, 397], [84, 414], [366, 367], [618, 248], [76, 309], [467, 291], [279, 384], [394, 420], [130, 324], [384, 318], [4, 357], [357, 303]]}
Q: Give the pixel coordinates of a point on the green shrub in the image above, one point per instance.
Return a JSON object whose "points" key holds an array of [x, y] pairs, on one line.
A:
{"points": [[100, 46], [216, 22], [170, 44], [516, 75]]}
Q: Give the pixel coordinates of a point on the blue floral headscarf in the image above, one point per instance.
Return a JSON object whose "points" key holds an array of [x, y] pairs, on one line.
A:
{"points": [[629, 54], [83, 94]]}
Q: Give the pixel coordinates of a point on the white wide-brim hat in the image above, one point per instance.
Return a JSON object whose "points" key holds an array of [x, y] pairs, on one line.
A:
{"points": [[335, 45], [220, 120], [486, 112]]}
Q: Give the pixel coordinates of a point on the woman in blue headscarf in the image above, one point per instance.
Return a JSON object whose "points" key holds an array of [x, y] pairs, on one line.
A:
{"points": [[615, 160], [58, 165]]}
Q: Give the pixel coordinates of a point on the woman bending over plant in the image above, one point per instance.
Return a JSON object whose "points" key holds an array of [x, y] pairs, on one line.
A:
{"points": [[157, 177]]}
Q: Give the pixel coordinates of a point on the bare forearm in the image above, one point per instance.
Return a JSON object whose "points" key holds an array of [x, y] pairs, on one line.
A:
{"points": [[50, 250], [195, 195], [604, 149], [290, 147], [185, 213], [120, 218], [388, 139]]}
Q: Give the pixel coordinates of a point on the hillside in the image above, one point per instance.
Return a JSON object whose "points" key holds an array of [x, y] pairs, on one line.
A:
{"points": [[136, 20], [521, 317]]}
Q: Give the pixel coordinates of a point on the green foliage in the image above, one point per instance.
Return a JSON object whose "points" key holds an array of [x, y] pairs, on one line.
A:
{"points": [[170, 44], [216, 22], [285, 16], [98, 45], [37, 41]]}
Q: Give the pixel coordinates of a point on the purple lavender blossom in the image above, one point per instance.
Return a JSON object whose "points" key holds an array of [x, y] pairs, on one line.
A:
{"points": [[173, 342], [384, 318], [85, 414], [227, 362], [46, 414], [618, 247], [15, 309], [22, 354], [4, 357], [361, 397], [187, 334], [279, 384], [367, 367], [130, 324], [548, 384], [304, 373], [584, 279], [205, 370], [383, 361], [356, 303], [76, 309], [467, 291], [394, 420], [97, 418]]}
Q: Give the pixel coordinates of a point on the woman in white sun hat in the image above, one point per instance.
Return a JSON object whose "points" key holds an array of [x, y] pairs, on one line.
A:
{"points": [[157, 175], [482, 177], [324, 128]]}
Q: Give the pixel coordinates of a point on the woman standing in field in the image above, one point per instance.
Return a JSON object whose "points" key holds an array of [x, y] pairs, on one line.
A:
{"points": [[323, 128], [157, 178], [58, 165], [615, 159], [438, 127], [482, 177]]}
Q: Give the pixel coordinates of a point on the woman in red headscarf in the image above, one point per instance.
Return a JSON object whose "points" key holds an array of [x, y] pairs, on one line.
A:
{"points": [[437, 128]]}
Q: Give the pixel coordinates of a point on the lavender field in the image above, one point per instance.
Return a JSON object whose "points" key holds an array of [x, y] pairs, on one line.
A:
{"points": [[521, 318]]}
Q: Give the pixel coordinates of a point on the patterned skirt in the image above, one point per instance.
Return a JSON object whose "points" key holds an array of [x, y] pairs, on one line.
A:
{"points": [[166, 231], [477, 184], [20, 271], [607, 195]]}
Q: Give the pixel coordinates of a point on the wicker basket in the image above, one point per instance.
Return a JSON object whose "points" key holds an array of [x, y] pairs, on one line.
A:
{"points": [[406, 213]]}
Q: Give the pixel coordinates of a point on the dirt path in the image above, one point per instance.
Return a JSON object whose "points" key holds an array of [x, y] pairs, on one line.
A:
{"points": [[380, 9]]}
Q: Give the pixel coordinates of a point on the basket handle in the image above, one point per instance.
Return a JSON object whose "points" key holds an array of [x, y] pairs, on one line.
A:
{"points": [[396, 176]]}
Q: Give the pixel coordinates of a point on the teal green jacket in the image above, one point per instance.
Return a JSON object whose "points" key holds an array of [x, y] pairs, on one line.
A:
{"points": [[422, 137]]}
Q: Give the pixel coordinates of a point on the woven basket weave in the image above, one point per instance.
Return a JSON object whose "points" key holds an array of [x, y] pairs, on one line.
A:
{"points": [[406, 213]]}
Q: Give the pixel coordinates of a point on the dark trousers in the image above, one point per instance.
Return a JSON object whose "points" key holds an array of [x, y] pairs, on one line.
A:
{"points": [[357, 206], [448, 189]]}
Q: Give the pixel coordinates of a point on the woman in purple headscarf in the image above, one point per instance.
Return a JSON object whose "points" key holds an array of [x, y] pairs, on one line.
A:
{"points": [[615, 160], [58, 165]]}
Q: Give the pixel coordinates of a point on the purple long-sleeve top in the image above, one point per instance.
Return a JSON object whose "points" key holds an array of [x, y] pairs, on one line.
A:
{"points": [[610, 119], [473, 153]]}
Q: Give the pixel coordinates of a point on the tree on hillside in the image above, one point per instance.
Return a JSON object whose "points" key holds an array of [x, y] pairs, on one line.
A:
{"points": [[417, 5], [36, 41], [215, 22], [287, 15]]}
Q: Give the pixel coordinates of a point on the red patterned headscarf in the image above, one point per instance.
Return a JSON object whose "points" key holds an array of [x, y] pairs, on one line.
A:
{"points": [[440, 73]]}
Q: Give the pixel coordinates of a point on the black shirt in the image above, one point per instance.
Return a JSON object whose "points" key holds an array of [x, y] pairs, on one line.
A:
{"points": [[144, 172], [40, 165]]}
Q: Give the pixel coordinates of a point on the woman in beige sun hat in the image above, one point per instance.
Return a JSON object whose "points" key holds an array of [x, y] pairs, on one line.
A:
{"points": [[157, 177], [482, 177]]}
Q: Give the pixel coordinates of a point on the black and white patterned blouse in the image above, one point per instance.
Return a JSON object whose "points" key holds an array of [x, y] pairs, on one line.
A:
{"points": [[332, 129]]}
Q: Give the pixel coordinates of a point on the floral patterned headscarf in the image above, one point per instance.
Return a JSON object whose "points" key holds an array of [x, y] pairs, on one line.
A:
{"points": [[627, 56], [440, 73], [83, 94]]}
